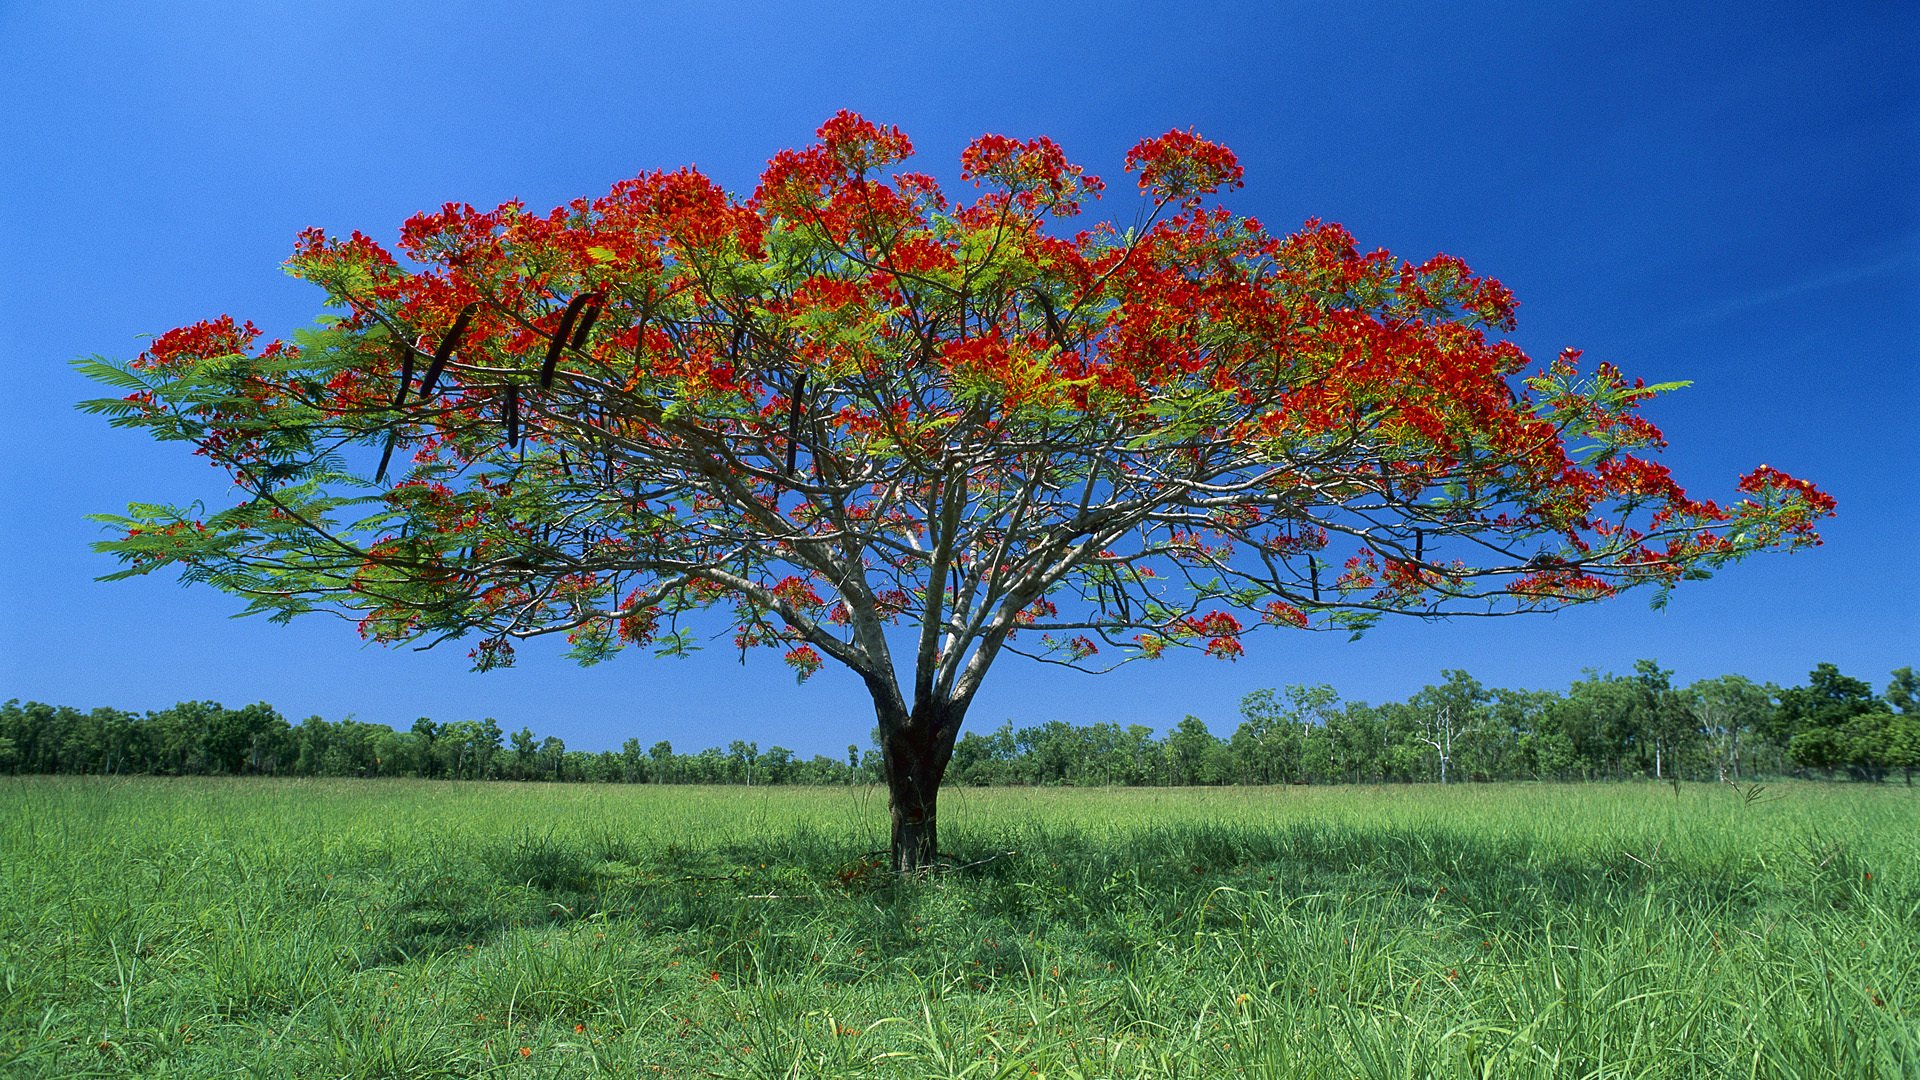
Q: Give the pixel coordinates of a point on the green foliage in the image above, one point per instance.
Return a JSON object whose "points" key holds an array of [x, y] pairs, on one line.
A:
{"points": [[344, 928], [1603, 726]]}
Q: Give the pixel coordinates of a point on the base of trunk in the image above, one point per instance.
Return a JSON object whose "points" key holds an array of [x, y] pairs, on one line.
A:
{"points": [[915, 751], [915, 844]]}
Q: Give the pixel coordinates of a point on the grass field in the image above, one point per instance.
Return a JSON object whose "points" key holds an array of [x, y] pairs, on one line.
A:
{"points": [[346, 928]]}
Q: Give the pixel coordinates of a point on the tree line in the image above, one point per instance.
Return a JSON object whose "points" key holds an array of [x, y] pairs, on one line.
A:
{"points": [[1604, 726]]}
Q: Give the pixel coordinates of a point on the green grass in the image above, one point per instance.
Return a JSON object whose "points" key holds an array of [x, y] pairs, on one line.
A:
{"points": [[360, 929]]}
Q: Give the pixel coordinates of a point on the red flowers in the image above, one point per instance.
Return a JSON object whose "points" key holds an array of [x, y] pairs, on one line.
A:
{"points": [[804, 661], [797, 593], [203, 340], [1767, 480], [1181, 165], [858, 144], [1035, 172]]}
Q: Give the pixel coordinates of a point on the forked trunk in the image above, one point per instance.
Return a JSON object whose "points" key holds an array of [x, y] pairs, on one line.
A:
{"points": [[914, 754]]}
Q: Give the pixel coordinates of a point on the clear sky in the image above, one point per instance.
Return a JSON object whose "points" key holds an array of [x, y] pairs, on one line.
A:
{"points": [[1727, 193]]}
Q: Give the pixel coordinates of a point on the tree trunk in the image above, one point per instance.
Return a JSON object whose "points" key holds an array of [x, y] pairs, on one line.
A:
{"points": [[914, 753]]}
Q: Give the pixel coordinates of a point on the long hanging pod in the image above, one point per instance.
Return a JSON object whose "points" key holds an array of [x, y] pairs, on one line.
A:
{"points": [[793, 422], [561, 335], [445, 351], [585, 324], [406, 373], [399, 398], [513, 415], [386, 455]]}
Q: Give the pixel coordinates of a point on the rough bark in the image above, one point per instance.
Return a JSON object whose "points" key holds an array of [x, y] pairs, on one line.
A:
{"points": [[914, 752]]}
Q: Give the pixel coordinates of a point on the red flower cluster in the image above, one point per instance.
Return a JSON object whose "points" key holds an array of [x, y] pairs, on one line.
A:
{"points": [[203, 340], [1181, 165], [1035, 172]]}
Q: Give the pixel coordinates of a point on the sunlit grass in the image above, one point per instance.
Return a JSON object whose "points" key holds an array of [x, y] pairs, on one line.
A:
{"points": [[342, 928]]}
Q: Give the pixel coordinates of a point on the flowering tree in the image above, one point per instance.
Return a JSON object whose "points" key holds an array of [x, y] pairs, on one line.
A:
{"points": [[862, 423]]}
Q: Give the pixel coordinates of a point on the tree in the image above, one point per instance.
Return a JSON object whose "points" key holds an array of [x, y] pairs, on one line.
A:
{"points": [[1452, 710], [1724, 709], [1903, 694], [742, 756], [553, 757], [1903, 743], [662, 759], [1270, 745], [849, 419], [525, 749], [1903, 691], [1194, 755], [1817, 722], [1662, 719], [633, 762], [425, 733]]}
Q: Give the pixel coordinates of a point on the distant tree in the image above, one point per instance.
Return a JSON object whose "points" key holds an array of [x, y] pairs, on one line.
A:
{"points": [[1903, 691], [1501, 749], [1824, 724], [1662, 719], [661, 763], [425, 733], [1903, 744], [776, 765], [1451, 713], [526, 747], [977, 758], [553, 758], [1194, 755], [1438, 731], [180, 734], [633, 762], [742, 758], [1599, 716], [1724, 710], [1270, 745], [1903, 739]]}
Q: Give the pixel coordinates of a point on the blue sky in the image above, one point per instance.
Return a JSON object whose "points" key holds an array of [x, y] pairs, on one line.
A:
{"points": [[1723, 193]]}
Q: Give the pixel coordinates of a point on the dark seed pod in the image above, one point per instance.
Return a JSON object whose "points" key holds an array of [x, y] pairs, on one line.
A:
{"points": [[1053, 319], [406, 374], [793, 422], [585, 325], [386, 455], [560, 335], [445, 351], [513, 416], [1419, 543], [1313, 565]]}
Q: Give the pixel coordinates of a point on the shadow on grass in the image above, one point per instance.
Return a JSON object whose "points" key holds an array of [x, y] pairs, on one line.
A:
{"points": [[467, 897], [809, 904]]}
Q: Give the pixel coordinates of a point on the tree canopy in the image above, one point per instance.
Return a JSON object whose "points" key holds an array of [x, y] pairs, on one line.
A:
{"points": [[866, 422]]}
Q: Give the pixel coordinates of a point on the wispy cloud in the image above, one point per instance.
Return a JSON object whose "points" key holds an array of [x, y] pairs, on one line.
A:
{"points": [[1901, 256]]}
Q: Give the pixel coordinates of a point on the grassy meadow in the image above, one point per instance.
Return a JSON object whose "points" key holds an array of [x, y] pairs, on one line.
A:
{"points": [[175, 928]]}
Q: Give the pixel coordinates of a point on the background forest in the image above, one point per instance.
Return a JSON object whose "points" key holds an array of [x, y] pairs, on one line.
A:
{"points": [[1604, 726]]}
